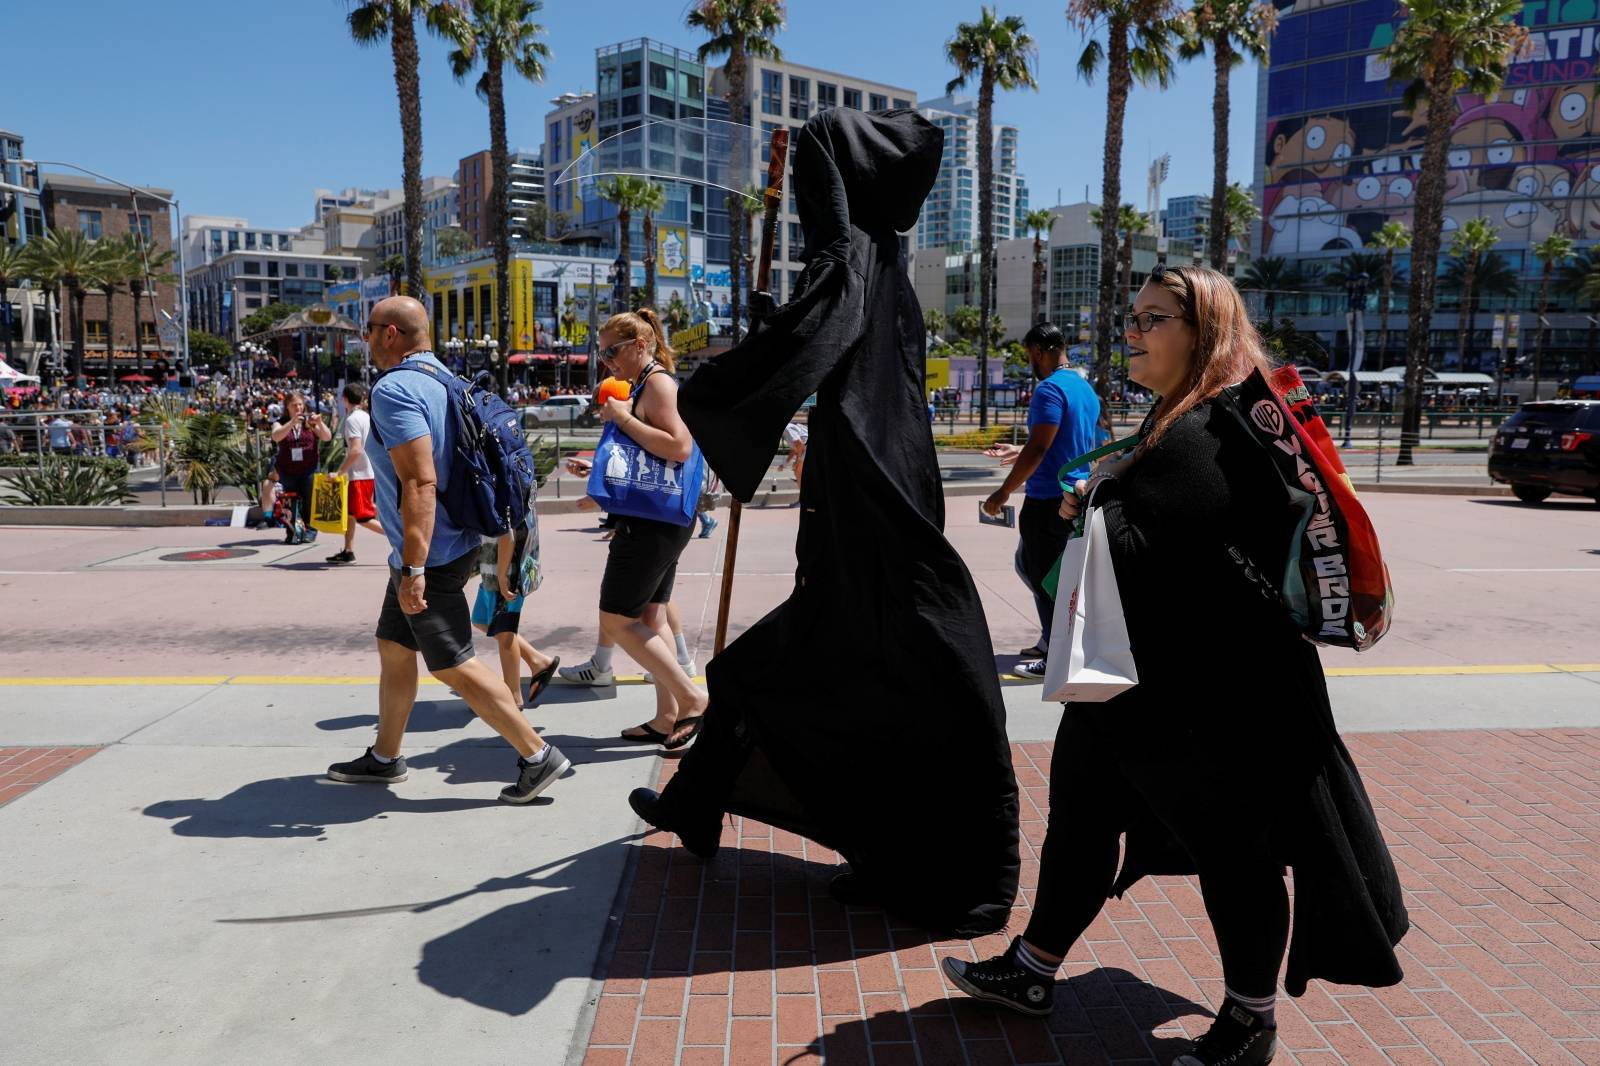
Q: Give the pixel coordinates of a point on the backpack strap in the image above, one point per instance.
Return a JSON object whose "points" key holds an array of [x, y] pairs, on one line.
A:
{"points": [[407, 364]]}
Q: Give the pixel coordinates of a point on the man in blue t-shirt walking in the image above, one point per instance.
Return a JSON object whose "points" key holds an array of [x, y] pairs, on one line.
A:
{"points": [[425, 604], [1063, 423]]}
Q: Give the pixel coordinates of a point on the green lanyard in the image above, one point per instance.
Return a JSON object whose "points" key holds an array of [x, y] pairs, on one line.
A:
{"points": [[1065, 473]]}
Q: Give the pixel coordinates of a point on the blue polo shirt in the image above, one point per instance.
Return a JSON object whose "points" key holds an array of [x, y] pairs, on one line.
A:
{"points": [[407, 405], [1067, 401]]}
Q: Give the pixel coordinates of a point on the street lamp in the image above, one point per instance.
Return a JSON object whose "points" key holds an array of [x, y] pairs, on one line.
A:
{"points": [[452, 348], [1355, 319]]}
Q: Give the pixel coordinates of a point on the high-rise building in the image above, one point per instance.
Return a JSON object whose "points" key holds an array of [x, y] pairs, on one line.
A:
{"points": [[475, 182], [328, 200], [571, 128], [1187, 218], [440, 207], [100, 211], [787, 94], [950, 215], [1338, 155], [235, 268]]}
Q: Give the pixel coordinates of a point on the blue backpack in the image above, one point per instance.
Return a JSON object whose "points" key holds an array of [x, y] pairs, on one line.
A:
{"points": [[492, 482]]}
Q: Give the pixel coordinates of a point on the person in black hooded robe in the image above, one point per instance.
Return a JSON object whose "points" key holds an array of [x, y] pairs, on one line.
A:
{"points": [[900, 764]]}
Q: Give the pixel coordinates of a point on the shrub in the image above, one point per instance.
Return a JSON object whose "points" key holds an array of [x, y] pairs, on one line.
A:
{"points": [[116, 468], [64, 482]]}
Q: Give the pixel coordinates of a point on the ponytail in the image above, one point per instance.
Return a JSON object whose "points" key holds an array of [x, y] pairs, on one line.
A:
{"points": [[643, 324]]}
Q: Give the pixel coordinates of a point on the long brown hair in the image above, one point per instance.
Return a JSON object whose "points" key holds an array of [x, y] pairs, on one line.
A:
{"points": [[1227, 345], [643, 324]]}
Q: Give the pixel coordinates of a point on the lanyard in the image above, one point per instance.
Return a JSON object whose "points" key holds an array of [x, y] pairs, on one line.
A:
{"points": [[1065, 473]]}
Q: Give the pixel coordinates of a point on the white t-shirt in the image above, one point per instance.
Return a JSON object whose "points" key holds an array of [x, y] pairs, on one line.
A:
{"points": [[358, 425], [795, 433]]}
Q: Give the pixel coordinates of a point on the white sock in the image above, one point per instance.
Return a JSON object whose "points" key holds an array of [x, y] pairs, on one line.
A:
{"points": [[385, 759], [537, 757], [1264, 1008], [601, 658], [683, 647], [1034, 964]]}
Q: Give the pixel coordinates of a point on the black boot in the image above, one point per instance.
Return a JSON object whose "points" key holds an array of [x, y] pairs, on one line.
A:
{"points": [[702, 842]]}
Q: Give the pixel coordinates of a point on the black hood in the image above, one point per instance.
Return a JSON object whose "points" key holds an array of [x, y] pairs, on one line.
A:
{"points": [[867, 169]]}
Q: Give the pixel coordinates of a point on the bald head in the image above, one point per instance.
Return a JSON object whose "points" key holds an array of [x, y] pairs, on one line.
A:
{"points": [[398, 326]]}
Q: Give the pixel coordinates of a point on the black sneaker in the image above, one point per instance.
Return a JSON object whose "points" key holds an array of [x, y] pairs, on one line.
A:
{"points": [[534, 778], [368, 768], [646, 803], [1005, 981], [1030, 668], [342, 557], [1237, 1038]]}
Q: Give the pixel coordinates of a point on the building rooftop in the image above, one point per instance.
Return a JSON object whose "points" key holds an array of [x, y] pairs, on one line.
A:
{"points": [[73, 181]]}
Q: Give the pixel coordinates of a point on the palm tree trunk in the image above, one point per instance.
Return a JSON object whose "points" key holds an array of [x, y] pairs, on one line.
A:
{"points": [[625, 245], [136, 290], [1119, 79], [1538, 342], [408, 87], [1127, 270], [1038, 278], [111, 355], [1425, 258], [1464, 328], [1383, 306], [79, 295], [499, 216], [1272, 306], [985, 233], [1222, 52], [649, 260], [740, 168], [5, 298]]}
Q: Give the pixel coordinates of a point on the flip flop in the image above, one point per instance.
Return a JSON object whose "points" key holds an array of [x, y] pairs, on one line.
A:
{"points": [[540, 682], [673, 745], [651, 736]]}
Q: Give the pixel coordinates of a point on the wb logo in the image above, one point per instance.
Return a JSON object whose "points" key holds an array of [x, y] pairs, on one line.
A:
{"points": [[1268, 417]]}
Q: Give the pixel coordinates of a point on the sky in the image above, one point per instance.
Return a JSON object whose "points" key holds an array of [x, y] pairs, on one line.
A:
{"points": [[245, 108]]}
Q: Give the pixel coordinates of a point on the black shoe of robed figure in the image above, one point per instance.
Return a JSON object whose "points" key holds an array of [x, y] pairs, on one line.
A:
{"points": [[1237, 1038], [702, 842], [1003, 980]]}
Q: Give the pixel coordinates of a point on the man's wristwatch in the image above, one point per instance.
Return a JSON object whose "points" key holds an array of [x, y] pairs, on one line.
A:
{"points": [[413, 571]]}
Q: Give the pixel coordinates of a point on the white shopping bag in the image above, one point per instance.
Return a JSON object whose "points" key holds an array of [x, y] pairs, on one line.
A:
{"points": [[1090, 659]]}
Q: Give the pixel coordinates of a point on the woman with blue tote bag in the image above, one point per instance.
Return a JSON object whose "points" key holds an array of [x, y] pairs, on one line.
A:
{"points": [[647, 473]]}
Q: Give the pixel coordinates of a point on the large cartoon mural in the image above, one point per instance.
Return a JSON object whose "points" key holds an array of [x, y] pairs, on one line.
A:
{"points": [[1341, 155]]}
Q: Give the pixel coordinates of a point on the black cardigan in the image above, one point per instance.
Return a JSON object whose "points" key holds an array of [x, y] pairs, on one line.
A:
{"points": [[1220, 665]]}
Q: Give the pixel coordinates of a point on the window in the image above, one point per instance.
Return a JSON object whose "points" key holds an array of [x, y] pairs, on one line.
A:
{"points": [[291, 270], [827, 96], [147, 333], [878, 102], [852, 98], [485, 311], [630, 105], [771, 92], [89, 224], [901, 103], [608, 109], [139, 224], [252, 303], [283, 242], [272, 268], [252, 286], [630, 75], [661, 78], [249, 242], [608, 82], [33, 221], [233, 240], [800, 98], [796, 239], [661, 107], [94, 331], [252, 266], [694, 86]]}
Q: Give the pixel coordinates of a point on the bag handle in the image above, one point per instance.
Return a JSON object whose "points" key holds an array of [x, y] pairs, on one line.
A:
{"points": [[1064, 475]]}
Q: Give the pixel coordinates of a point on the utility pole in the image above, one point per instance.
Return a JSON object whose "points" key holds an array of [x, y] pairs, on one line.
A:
{"points": [[1355, 322]]}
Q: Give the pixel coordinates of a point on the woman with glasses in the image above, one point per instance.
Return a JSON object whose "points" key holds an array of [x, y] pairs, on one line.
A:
{"points": [[642, 561], [1223, 761]]}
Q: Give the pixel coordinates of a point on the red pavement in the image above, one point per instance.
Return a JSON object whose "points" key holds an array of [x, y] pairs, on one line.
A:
{"points": [[24, 769], [746, 960]]}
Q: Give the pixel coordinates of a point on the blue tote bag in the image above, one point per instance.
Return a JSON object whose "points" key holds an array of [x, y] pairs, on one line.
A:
{"points": [[627, 480]]}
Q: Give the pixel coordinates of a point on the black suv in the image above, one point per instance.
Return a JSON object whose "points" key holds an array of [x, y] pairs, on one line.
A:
{"points": [[1549, 446]]}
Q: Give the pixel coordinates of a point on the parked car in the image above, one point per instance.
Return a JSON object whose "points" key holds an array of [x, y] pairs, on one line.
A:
{"points": [[564, 411], [1549, 446]]}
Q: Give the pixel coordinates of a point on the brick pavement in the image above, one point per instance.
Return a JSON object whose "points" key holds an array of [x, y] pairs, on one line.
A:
{"points": [[24, 769], [746, 960]]}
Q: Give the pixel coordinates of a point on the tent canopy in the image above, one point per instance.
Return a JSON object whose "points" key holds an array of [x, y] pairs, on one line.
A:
{"points": [[318, 318]]}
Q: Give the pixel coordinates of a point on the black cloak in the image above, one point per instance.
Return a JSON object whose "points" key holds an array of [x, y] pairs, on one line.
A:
{"points": [[864, 712]]}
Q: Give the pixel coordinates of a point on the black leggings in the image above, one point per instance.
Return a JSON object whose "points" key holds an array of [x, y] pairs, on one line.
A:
{"points": [[1220, 814]]}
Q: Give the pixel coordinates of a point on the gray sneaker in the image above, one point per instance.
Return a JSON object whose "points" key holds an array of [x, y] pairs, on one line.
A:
{"points": [[367, 768], [534, 778]]}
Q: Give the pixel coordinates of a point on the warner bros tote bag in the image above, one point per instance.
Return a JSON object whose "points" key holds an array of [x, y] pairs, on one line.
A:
{"points": [[1090, 658]]}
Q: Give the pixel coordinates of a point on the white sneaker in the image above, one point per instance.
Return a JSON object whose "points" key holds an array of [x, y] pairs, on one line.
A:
{"points": [[690, 668], [586, 673]]}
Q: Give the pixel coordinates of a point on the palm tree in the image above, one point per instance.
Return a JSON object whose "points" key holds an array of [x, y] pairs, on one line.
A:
{"points": [[13, 269], [1491, 276], [1391, 237], [999, 53], [740, 30], [1270, 277], [500, 32], [451, 242], [1235, 30], [1443, 47], [630, 194], [394, 268], [67, 259], [1040, 222], [1138, 45], [1554, 249], [370, 24], [653, 200], [1352, 266], [1239, 214], [1130, 222], [117, 267], [1475, 239], [150, 268]]}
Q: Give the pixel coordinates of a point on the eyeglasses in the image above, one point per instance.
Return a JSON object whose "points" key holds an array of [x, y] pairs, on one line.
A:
{"points": [[372, 326], [1142, 321]]}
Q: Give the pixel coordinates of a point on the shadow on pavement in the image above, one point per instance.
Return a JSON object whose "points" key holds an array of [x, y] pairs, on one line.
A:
{"points": [[425, 718], [1568, 503], [296, 807], [490, 760]]}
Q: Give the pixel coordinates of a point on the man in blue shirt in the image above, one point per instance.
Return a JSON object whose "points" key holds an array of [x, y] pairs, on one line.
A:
{"points": [[1063, 423], [425, 605]]}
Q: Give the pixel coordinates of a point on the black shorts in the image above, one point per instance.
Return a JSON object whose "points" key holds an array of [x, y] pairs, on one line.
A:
{"points": [[443, 632], [642, 565]]}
